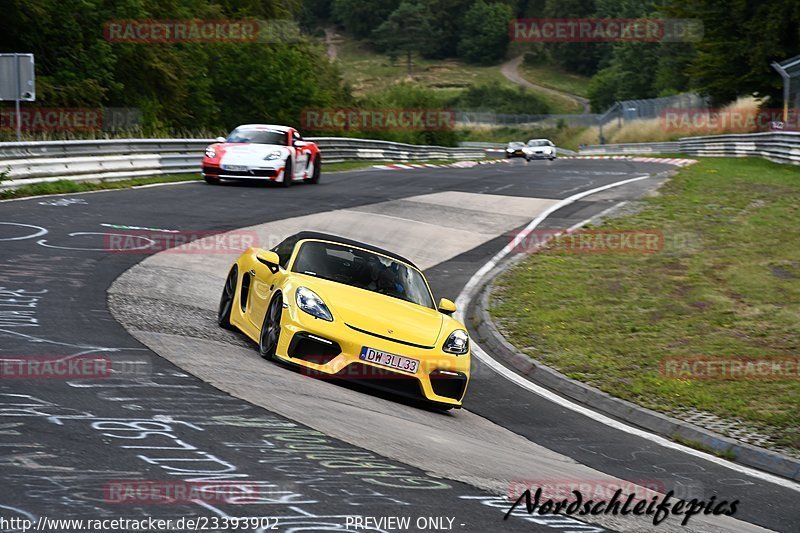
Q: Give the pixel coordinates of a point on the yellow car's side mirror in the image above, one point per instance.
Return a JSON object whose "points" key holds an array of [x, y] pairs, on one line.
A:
{"points": [[446, 306], [268, 257]]}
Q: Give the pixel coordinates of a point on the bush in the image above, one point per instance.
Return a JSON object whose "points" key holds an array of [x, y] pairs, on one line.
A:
{"points": [[497, 98], [403, 96]]}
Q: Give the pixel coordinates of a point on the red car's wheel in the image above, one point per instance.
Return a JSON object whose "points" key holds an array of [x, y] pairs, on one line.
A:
{"points": [[317, 170]]}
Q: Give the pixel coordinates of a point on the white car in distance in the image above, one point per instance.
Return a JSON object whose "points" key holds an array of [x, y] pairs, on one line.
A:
{"points": [[540, 149]]}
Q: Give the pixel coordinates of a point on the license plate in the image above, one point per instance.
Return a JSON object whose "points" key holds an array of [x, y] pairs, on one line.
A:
{"points": [[235, 168], [391, 360]]}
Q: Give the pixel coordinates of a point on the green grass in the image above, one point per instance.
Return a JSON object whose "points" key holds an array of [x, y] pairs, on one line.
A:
{"points": [[559, 105], [555, 78], [727, 283], [368, 71], [66, 186]]}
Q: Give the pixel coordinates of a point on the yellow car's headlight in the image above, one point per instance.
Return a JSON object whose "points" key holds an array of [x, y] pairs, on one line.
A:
{"points": [[308, 301], [457, 343]]}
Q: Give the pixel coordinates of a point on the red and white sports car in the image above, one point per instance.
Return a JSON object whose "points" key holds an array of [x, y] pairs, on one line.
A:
{"points": [[262, 152]]}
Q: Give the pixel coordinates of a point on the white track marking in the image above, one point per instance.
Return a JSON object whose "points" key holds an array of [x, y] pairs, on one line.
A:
{"points": [[162, 184], [39, 231], [43, 242], [469, 291]]}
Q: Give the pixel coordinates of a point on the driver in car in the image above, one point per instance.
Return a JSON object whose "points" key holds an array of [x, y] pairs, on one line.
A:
{"points": [[388, 283]]}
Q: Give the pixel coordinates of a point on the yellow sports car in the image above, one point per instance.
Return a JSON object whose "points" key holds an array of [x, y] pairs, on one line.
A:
{"points": [[345, 309]]}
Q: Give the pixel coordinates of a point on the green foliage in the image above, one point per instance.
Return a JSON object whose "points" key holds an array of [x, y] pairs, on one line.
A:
{"points": [[446, 26], [740, 41], [603, 89], [499, 98], [580, 58], [485, 32], [411, 96], [177, 86], [406, 31], [403, 96], [472, 29], [360, 17]]}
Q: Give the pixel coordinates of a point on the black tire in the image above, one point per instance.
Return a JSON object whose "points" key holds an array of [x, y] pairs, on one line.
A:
{"points": [[317, 170], [271, 329], [211, 181], [288, 173], [227, 299]]}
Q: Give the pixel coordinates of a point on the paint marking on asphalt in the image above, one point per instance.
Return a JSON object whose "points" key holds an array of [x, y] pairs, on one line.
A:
{"points": [[469, 292]]}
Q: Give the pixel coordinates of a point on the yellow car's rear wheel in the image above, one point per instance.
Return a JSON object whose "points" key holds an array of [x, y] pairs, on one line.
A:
{"points": [[271, 329]]}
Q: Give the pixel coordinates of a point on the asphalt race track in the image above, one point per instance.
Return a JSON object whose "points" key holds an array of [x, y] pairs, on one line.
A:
{"points": [[197, 402]]}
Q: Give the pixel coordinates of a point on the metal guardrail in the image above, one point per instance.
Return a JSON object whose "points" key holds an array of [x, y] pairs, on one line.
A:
{"points": [[337, 149], [633, 148], [33, 162], [781, 147], [52, 149]]}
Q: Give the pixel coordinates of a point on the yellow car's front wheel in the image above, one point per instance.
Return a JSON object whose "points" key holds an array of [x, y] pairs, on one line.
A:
{"points": [[271, 329], [226, 301]]}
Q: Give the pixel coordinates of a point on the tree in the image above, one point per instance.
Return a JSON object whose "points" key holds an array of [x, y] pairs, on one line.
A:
{"points": [[603, 89], [177, 86], [739, 42], [484, 38], [446, 27], [405, 31], [361, 17], [579, 57]]}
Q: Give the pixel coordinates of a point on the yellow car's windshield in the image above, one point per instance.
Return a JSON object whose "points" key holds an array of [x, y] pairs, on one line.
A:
{"points": [[362, 269]]}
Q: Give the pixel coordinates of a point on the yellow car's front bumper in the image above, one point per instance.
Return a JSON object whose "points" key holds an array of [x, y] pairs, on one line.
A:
{"points": [[333, 349]]}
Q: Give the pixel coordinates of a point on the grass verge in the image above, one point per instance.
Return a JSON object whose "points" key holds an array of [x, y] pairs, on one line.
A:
{"points": [[67, 186], [368, 72], [556, 78], [726, 284]]}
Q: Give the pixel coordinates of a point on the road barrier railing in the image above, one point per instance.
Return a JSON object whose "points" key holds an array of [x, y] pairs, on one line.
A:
{"points": [[778, 146], [632, 148], [41, 161]]}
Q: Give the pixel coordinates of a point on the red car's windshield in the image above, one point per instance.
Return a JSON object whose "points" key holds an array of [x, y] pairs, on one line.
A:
{"points": [[257, 136]]}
